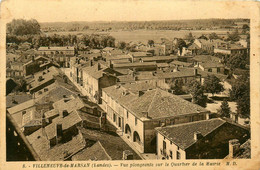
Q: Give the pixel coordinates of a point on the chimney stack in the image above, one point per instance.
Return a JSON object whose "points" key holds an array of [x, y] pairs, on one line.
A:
{"points": [[128, 155], [197, 135], [65, 113], [233, 147], [195, 72], [59, 133]]}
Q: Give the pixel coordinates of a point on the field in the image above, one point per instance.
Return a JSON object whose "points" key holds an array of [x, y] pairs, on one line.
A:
{"points": [[145, 35]]}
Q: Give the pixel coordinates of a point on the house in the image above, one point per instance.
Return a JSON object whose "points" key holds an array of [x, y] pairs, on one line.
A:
{"points": [[59, 140], [92, 78], [208, 45], [161, 49], [37, 64], [94, 153], [204, 139], [56, 50], [15, 70], [193, 49], [212, 67], [231, 49], [15, 99], [138, 66], [158, 59], [137, 115], [177, 63], [138, 55]]}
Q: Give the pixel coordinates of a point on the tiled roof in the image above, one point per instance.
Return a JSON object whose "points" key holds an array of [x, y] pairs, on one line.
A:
{"points": [[22, 106], [206, 58], [176, 62], [231, 47], [96, 152], [139, 86], [72, 119], [183, 134], [59, 152], [140, 54], [211, 64], [162, 64], [137, 64], [244, 151], [156, 58], [69, 103], [118, 57], [36, 58], [56, 49], [193, 46], [156, 102], [114, 145], [13, 99]]}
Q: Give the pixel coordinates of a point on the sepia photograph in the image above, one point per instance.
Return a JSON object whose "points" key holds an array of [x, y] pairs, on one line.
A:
{"points": [[129, 80]]}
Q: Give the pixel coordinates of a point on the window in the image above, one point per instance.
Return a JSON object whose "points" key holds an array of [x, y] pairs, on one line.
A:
{"points": [[218, 70], [209, 70], [119, 121], [178, 155], [164, 148], [135, 121], [127, 114], [170, 154], [114, 117]]}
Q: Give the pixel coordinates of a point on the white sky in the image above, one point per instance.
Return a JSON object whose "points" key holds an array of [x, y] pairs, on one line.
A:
{"points": [[122, 10]]}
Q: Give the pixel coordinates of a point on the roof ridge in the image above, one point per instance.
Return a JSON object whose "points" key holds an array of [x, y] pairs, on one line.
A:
{"points": [[104, 149], [152, 101], [177, 125]]}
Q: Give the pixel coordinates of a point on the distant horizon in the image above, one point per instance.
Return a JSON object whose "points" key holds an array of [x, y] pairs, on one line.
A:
{"points": [[142, 20]]}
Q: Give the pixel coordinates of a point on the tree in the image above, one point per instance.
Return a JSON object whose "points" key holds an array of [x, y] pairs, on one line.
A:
{"points": [[212, 85], [189, 37], [224, 110], [196, 90], [240, 92], [234, 36], [180, 44], [150, 43], [121, 45], [237, 61], [176, 86], [213, 36], [23, 27]]}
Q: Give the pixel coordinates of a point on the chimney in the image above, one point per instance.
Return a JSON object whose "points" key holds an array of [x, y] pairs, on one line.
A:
{"points": [[128, 155], [59, 133], [145, 114], [195, 72], [40, 78], [233, 147], [197, 135], [140, 93], [44, 123], [110, 64], [14, 101], [65, 113], [99, 66]]}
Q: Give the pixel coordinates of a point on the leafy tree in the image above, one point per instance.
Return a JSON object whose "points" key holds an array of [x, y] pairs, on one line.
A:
{"points": [[245, 26], [151, 43], [180, 44], [224, 110], [240, 92], [212, 85], [234, 36], [196, 90], [237, 61], [176, 86], [121, 45], [189, 37], [213, 36], [23, 27]]}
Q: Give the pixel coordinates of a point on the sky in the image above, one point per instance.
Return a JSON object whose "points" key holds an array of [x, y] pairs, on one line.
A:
{"points": [[121, 10]]}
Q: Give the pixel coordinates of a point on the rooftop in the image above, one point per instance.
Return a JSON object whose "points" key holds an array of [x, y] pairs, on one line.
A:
{"points": [[56, 49], [14, 99], [158, 103], [183, 134], [72, 119], [158, 58], [95, 153], [22, 106], [59, 152]]}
